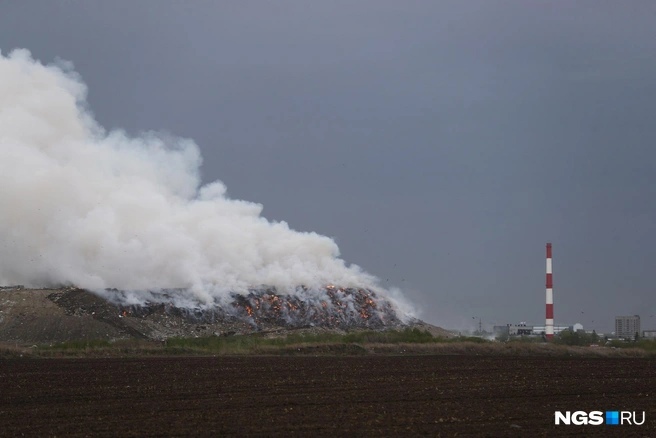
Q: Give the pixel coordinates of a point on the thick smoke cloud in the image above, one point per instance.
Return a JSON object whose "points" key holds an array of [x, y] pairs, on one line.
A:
{"points": [[82, 206]]}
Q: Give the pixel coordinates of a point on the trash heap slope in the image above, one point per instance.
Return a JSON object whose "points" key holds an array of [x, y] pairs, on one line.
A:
{"points": [[66, 314]]}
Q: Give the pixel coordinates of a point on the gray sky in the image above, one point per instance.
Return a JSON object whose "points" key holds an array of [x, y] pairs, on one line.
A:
{"points": [[441, 144]]}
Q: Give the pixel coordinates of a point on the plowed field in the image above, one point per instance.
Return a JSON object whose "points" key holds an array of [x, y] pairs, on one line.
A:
{"points": [[310, 396]]}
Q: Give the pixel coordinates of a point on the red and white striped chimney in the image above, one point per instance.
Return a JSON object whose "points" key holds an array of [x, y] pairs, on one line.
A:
{"points": [[549, 326]]}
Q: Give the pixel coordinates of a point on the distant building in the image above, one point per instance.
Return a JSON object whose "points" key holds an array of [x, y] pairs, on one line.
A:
{"points": [[649, 334], [540, 329], [627, 326], [520, 329], [513, 329], [523, 329]]}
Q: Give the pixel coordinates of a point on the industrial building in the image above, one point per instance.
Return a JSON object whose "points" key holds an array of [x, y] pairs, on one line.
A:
{"points": [[627, 326], [523, 329], [649, 334]]}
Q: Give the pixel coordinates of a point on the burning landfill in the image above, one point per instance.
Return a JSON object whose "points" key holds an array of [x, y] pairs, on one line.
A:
{"points": [[341, 308], [122, 216]]}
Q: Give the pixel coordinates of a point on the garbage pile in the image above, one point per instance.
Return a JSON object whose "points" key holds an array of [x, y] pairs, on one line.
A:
{"points": [[333, 307]]}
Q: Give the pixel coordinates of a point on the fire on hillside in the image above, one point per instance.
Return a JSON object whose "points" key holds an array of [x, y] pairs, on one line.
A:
{"points": [[337, 307]]}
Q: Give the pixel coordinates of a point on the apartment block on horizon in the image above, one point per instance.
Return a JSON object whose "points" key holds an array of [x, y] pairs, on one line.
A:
{"points": [[627, 326]]}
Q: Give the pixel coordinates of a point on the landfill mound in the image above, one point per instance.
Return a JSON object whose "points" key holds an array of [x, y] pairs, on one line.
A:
{"points": [[341, 308], [67, 314]]}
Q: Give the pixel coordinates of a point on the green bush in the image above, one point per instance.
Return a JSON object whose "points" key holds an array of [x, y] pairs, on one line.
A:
{"points": [[580, 338], [86, 344], [527, 339], [246, 343], [643, 344], [253, 343]]}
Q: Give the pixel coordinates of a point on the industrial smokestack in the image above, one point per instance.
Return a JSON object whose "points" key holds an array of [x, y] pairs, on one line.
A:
{"points": [[549, 331]]}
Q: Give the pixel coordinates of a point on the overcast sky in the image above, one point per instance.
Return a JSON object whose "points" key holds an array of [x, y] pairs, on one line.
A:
{"points": [[440, 143]]}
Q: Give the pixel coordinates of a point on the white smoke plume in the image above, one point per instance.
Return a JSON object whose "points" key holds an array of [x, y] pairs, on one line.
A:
{"points": [[96, 209]]}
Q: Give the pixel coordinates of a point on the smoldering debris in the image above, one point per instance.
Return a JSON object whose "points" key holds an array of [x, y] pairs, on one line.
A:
{"points": [[338, 308]]}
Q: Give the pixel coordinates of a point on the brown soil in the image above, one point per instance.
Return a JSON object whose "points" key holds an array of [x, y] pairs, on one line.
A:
{"points": [[310, 396]]}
